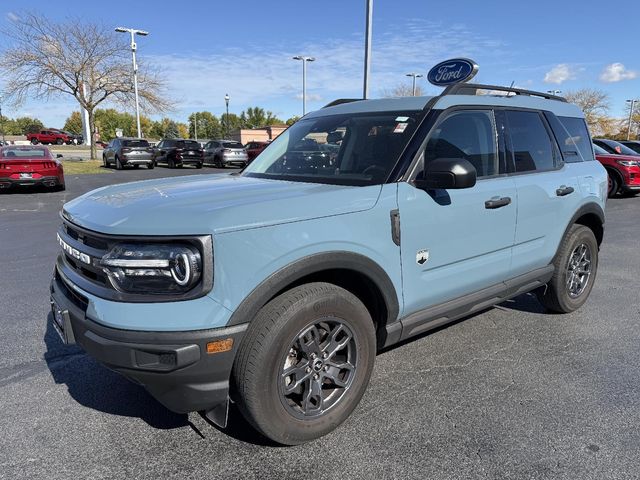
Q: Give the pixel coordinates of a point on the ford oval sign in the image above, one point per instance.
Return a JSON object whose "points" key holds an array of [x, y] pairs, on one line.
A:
{"points": [[456, 70]]}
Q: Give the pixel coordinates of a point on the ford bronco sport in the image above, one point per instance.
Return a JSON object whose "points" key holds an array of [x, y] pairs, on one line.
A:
{"points": [[365, 223]]}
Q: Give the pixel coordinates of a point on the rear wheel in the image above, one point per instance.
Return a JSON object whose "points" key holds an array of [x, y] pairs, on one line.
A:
{"points": [[150, 165], [34, 141], [576, 265], [105, 164], [199, 165], [305, 363], [118, 163], [614, 183], [59, 141]]}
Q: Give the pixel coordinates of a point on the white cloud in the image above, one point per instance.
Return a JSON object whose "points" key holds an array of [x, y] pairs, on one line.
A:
{"points": [[13, 17], [311, 97], [560, 73], [616, 72]]}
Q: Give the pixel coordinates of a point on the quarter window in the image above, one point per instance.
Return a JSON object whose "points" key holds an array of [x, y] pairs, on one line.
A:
{"points": [[530, 141], [469, 135]]}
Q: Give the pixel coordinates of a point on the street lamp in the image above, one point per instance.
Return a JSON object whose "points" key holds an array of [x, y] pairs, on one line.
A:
{"points": [[134, 47], [304, 79], [632, 105], [367, 48], [195, 125], [1, 119], [414, 75], [554, 92], [226, 122]]}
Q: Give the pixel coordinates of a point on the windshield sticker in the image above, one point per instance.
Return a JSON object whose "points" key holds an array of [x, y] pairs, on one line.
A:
{"points": [[402, 119], [401, 127]]}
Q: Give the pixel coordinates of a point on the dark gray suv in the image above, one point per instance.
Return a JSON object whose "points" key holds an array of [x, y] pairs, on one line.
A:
{"points": [[128, 151]]}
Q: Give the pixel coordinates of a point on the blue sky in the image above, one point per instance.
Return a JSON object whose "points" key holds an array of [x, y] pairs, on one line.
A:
{"points": [[244, 48]]}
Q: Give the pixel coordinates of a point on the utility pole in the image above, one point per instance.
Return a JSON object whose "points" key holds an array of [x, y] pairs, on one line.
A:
{"points": [[414, 75], [134, 47], [633, 103], [367, 48], [1, 119], [226, 121], [195, 125]]}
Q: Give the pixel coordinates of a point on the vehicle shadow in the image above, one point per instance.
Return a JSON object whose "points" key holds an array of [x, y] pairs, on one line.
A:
{"points": [[94, 386]]}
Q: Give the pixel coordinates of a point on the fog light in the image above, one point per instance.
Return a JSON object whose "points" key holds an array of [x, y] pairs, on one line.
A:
{"points": [[220, 346]]}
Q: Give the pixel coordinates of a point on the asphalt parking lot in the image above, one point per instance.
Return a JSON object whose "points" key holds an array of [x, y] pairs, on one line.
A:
{"points": [[510, 393]]}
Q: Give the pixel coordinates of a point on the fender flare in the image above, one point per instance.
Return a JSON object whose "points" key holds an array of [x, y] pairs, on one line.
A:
{"points": [[316, 263], [587, 208]]}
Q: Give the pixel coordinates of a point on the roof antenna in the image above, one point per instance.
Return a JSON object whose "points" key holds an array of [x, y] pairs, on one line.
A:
{"points": [[510, 87]]}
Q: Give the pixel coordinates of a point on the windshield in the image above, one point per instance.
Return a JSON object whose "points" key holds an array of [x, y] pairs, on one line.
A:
{"points": [[232, 145], [135, 143], [22, 152], [192, 144], [616, 148], [346, 149]]}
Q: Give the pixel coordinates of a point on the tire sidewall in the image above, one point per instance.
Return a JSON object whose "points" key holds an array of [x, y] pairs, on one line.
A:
{"points": [[271, 417], [577, 236]]}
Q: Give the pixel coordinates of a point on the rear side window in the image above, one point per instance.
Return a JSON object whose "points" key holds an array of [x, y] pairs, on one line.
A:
{"points": [[469, 135], [530, 142], [574, 140]]}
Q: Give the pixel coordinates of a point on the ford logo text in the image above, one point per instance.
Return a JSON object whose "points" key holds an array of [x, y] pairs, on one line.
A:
{"points": [[457, 70]]}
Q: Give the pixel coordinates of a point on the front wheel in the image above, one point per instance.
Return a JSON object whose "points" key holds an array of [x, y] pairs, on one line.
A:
{"points": [[59, 141], [118, 163], [150, 165], [576, 265], [305, 363], [199, 165], [34, 141]]}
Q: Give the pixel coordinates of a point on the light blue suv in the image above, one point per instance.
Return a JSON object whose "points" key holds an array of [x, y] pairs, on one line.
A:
{"points": [[363, 224]]}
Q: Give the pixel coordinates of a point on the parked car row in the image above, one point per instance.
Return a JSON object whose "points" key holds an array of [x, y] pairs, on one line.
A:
{"points": [[175, 153], [53, 136], [622, 162]]}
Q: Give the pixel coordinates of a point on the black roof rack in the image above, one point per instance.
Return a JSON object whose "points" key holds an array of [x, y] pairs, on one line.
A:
{"points": [[340, 101], [472, 89]]}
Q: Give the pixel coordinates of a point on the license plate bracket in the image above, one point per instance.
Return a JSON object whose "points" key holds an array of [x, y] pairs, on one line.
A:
{"points": [[62, 324]]}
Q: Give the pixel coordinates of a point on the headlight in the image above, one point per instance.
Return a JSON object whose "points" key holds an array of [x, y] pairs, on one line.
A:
{"points": [[153, 269], [628, 163]]}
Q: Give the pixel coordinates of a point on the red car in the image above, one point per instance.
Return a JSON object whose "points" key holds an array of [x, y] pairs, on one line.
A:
{"points": [[29, 165], [623, 170], [254, 149]]}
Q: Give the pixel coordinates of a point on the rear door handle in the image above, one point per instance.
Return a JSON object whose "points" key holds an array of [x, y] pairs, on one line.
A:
{"points": [[564, 190], [497, 202]]}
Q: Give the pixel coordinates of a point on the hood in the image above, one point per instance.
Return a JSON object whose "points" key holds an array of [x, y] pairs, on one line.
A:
{"points": [[202, 204]]}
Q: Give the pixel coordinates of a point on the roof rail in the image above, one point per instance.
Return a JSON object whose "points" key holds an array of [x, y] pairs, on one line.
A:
{"points": [[472, 89], [340, 101]]}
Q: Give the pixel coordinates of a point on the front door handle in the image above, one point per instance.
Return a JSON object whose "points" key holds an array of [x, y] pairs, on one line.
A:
{"points": [[497, 202], [564, 190]]}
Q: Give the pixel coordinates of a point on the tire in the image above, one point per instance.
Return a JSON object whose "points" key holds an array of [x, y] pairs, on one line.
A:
{"points": [[171, 163], [614, 183], [34, 141], [199, 165], [269, 343], [119, 165], [59, 141], [218, 163], [150, 165], [556, 295], [105, 164], [136, 166]]}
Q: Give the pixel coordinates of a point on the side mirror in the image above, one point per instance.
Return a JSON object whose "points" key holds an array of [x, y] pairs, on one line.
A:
{"points": [[58, 155], [447, 173]]}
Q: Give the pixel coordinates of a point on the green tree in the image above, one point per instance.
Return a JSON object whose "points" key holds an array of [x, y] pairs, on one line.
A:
{"points": [[73, 123], [208, 125], [109, 120], [183, 130], [234, 122], [171, 130], [24, 125], [292, 120], [256, 117]]}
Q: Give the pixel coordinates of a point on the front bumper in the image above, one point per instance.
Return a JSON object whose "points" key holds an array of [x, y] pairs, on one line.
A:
{"points": [[173, 366]]}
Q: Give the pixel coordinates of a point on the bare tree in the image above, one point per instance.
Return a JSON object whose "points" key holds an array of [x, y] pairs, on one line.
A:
{"points": [[595, 105], [87, 61], [402, 90]]}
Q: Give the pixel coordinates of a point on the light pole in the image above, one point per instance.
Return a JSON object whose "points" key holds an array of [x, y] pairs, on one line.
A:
{"points": [[1, 119], [304, 79], [414, 75], [134, 47], [367, 48], [195, 125], [226, 120], [554, 92], [632, 104]]}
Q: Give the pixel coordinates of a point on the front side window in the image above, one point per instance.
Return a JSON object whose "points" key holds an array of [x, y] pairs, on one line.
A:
{"points": [[345, 149], [468, 135], [530, 141]]}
